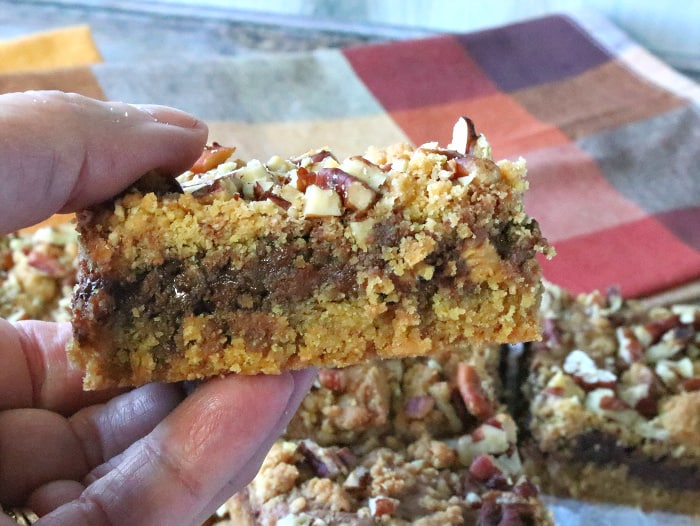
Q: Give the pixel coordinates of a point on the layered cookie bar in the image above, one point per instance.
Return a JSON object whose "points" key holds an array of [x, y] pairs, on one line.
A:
{"points": [[411, 441], [37, 273], [614, 409], [250, 267]]}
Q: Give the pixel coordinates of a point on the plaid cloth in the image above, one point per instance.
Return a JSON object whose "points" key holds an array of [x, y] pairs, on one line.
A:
{"points": [[611, 134]]}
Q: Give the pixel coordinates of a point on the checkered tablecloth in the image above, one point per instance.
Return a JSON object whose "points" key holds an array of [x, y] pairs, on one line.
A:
{"points": [[610, 133]]}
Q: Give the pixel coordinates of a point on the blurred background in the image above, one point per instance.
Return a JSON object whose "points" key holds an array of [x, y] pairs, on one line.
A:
{"points": [[142, 30]]}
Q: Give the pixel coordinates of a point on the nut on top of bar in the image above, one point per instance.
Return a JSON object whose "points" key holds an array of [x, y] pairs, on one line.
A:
{"points": [[249, 266]]}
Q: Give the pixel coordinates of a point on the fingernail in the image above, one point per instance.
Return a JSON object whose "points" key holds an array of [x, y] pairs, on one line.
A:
{"points": [[171, 116]]}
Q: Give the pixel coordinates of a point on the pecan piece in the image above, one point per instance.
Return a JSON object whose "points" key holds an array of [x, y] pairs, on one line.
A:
{"points": [[472, 391], [356, 194], [464, 135], [47, 261], [379, 506], [331, 379], [211, 157], [483, 468], [691, 384], [260, 195], [612, 403], [586, 373]]}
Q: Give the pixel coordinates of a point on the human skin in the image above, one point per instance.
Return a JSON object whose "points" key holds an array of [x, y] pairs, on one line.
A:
{"points": [[158, 454]]}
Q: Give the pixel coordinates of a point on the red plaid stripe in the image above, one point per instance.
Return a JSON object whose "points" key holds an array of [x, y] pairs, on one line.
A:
{"points": [[642, 257]]}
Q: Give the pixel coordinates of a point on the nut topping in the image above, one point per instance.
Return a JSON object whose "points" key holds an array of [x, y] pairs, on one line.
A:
{"points": [[379, 506], [564, 386], [472, 392], [631, 349], [318, 185], [464, 136], [469, 168], [260, 194], [486, 439], [691, 384], [356, 194], [602, 401], [325, 462], [364, 170], [314, 157], [670, 343], [47, 260], [582, 367], [483, 468], [332, 379], [322, 202], [211, 157]]}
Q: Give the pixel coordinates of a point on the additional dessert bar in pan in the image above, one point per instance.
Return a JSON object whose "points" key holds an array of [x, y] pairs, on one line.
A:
{"points": [[411, 441], [615, 401], [387, 400], [425, 482], [37, 273], [253, 267]]}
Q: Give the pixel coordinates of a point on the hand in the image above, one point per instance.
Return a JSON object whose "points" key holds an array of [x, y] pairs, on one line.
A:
{"points": [[147, 456]]}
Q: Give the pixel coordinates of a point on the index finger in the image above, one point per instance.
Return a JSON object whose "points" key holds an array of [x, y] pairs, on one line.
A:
{"points": [[62, 152]]}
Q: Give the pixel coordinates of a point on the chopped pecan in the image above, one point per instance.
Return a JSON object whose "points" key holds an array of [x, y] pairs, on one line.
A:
{"points": [[473, 393], [630, 348], [211, 157], [357, 479], [47, 261], [379, 506], [658, 328], [526, 489], [691, 384], [612, 403], [648, 407], [356, 193], [325, 462], [554, 391], [586, 373], [260, 195], [464, 135], [332, 379], [483, 468]]}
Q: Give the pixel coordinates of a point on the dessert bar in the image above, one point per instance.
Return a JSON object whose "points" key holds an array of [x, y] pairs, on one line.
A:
{"points": [[250, 267], [614, 411]]}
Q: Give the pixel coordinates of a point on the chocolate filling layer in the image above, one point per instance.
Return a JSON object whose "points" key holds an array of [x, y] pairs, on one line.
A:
{"points": [[277, 275], [602, 449]]}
